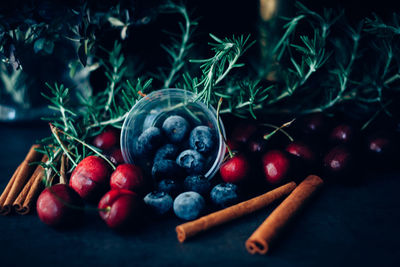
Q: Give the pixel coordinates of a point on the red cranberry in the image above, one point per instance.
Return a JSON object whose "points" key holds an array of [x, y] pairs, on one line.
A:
{"points": [[243, 132], [313, 123], [127, 176], [343, 133], [381, 150], [234, 146], [106, 139], [276, 166], [116, 157], [235, 169], [337, 160], [381, 144], [55, 206], [90, 177], [257, 146], [378, 145], [119, 207], [301, 150]]}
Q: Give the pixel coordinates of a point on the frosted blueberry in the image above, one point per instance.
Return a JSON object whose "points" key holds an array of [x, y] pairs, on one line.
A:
{"points": [[192, 161], [224, 195], [197, 183], [148, 141], [168, 151], [175, 128], [189, 205], [158, 202], [202, 139]]}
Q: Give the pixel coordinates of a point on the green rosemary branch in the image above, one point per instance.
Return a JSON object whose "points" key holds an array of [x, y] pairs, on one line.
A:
{"points": [[215, 69], [115, 70], [179, 48], [321, 62]]}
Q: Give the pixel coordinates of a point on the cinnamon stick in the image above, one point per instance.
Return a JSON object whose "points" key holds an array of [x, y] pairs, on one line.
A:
{"points": [[189, 229], [260, 240], [22, 205], [7, 189], [19, 180]]}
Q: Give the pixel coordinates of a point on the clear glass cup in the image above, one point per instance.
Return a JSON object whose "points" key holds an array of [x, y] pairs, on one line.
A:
{"points": [[154, 108]]}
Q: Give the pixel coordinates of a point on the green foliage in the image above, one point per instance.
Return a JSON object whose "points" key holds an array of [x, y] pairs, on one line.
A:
{"points": [[227, 52], [75, 123], [320, 63], [180, 46]]}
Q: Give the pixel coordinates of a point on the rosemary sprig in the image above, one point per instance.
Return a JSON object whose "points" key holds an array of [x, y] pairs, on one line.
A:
{"points": [[320, 63], [96, 151], [215, 69], [115, 70], [180, 47]]}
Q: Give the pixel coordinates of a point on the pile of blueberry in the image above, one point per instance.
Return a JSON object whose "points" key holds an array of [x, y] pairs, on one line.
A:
{"points": [[178, 156], [175, 150]]}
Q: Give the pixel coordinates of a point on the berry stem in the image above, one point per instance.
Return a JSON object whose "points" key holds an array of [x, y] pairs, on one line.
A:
{"points": [[55, 131], [63, 179], [286, 124], [231, 154], [84, 144]]}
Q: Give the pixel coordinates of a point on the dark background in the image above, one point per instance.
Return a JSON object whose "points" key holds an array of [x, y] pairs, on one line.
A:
{"points": [[343, 226]]}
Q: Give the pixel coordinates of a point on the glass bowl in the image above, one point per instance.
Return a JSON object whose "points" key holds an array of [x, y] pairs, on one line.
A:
{"points": [[154, 108]]}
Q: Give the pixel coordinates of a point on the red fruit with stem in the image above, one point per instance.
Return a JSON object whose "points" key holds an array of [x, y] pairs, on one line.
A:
{"points": [[106, 140], [381, 144], [90, 178], [235, 169], [59, 205], [337, 160], [127, 176], [302, 151], [118, 207], [313, 123], [243, 132], [276, 166], [378, 145], [257, 146], [234, 146], [343, 134], [381, 150], [116, 157]]}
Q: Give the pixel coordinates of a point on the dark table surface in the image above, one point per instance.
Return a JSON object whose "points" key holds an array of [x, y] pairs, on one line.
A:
{"points": [[343, 226]]}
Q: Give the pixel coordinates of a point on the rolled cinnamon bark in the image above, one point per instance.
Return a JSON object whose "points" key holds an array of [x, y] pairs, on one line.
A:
{"points": [[189, 229], [260, 240], [22, 204], [7, 191], [19, 180]]}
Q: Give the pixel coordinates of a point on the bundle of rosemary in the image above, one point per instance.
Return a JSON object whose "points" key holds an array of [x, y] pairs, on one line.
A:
{"points": [[318, 63]]}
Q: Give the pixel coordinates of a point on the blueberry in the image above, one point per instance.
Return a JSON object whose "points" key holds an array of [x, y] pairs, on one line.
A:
{"points": [[167, 151], [189, 205], [158, 202], [148, 141], [165, 169], [202, 139], [224, 195], [170, 187], [197, 183], [175, 128], [192, 161]]}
